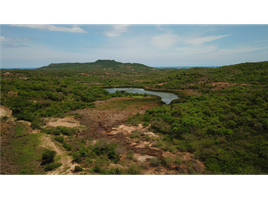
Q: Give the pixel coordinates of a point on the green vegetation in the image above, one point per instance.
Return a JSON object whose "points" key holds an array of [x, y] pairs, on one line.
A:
{"points": [[100, 65], [20, 151], [77, 169], [224, 128], [60, 130], [48, 156], [52, 166], [221, 116]]}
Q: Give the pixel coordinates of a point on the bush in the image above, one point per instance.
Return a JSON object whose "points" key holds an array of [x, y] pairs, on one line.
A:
{"points": [[97, 169], [168, 162], [78, 116], [59, 139], [155, 162], [130, 155], [77, 169], [114, 170], [68, 147], [67, 131], [112, 155], [48, 156], [53, 131], [76, 157], [84, 152], [59, 130], [89, 160], [52, 166], [37, 124], [105, 147], [134, 169]]}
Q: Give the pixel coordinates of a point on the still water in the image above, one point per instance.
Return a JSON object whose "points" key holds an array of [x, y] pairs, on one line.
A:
{"points": [[166, 97]]}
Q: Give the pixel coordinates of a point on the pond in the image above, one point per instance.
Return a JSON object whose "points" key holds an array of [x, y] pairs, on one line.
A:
{"points": [[166, 97]]}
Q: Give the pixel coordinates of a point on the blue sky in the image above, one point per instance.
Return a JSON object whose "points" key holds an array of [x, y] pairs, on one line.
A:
{"points": [[32, 46]]}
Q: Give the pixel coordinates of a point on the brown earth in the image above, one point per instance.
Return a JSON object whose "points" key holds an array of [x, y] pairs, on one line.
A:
{"points": [[162, 83], [220, 85], [112, 112], [4, 111], [145, 148], [144, 152], [7, 164], [85, 74], [8, 123]]}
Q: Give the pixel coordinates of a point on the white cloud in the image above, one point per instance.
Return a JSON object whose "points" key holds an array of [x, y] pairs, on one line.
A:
{"points": [[240, 50], [200, 49], [3, 39], [73, 29], [165, 41], [168, 40], [117, 30], [232, 55], [202, 40]]}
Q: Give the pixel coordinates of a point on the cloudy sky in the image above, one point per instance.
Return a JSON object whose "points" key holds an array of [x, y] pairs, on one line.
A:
{"points": [[33, 46]]}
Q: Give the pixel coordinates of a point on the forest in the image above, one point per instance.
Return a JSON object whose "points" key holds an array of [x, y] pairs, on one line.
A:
{"points": [[220, 118]]}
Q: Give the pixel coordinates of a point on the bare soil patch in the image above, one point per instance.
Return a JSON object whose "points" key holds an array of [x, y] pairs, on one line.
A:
{"points": [[113, 112], [220, 85], [67, 122], [4, 111]]}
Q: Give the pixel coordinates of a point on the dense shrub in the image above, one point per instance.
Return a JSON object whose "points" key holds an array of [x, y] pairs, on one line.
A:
{"points": [[77, 169], [67, 146], [59, 139], [48, 156], [52, 166], [105, 147]]}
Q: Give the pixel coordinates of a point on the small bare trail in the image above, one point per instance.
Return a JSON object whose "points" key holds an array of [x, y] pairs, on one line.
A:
{"points": [[67, 166]]}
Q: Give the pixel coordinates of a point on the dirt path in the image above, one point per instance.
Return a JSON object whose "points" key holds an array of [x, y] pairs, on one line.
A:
{"points": [[67, 166], [67, 122]]}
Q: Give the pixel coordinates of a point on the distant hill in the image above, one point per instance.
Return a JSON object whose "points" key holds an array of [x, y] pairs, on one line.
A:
{"points": [[100, 65]]}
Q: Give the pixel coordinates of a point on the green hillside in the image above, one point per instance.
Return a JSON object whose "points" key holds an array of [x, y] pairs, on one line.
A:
{"points": [[100, 65], [223, 120]]}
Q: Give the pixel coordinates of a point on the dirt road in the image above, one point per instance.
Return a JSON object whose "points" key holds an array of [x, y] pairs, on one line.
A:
{"points": [[67, 165]]}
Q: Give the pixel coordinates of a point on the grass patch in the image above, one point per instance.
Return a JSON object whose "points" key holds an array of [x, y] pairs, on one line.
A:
{"points": [[21, 155], [21, 129], [140, 97]]}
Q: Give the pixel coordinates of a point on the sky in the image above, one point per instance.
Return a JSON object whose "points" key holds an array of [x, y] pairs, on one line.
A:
{"points": [[34, 46]]}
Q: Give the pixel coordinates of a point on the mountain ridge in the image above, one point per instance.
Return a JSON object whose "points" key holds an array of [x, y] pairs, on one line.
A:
{"points": [[100, 65]]}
